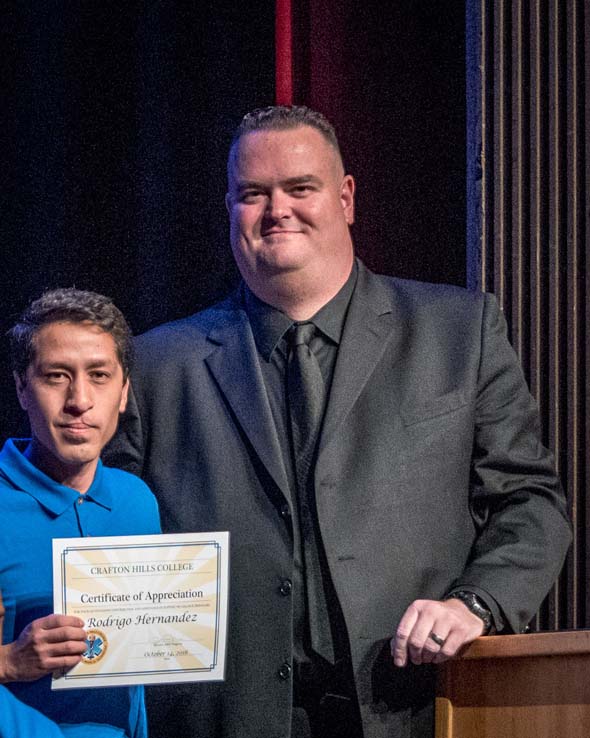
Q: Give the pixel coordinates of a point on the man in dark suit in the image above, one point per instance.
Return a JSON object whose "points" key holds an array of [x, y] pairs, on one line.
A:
{"points": [[370, 444]]}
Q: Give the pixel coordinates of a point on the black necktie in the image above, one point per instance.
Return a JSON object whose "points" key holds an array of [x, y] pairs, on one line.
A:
{"points": [[306, 396]]}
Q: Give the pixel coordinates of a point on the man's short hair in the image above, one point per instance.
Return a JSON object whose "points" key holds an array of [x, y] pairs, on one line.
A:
{"points": [[284, 118], [68, 305]]}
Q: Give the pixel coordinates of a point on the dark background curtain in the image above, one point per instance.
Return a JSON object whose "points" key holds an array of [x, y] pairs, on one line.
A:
{"points": [[115, 123], [391, 77], [529, 237]]}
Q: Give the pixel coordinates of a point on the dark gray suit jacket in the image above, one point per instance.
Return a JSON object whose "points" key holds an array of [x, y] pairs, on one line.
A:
{"points": [[430, 477]]}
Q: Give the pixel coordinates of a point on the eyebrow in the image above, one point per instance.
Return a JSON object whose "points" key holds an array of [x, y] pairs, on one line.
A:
{"points": [[303, 179], [96, 364], [289, 182]]}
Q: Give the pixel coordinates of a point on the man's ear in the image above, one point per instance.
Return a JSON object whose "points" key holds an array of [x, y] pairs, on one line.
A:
{"points": [[124, 396], [20, 390], [347, 198], [228, 202]]}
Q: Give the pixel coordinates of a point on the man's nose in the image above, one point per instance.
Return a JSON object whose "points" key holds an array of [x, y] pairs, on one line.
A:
{"points": [[79, 397], [278, 205]]}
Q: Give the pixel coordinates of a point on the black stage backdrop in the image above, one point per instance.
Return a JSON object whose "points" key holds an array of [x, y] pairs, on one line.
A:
{"points": [[115, 119]]}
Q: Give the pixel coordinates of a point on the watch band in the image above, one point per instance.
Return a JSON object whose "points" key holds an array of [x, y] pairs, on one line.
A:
{"points": [[475, 605]]}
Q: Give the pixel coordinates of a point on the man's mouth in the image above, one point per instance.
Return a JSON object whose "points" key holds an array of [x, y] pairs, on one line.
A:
{"points": [[76, 427], [279, 232]]}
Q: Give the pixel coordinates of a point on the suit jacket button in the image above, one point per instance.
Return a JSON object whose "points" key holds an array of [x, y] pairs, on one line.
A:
{"points": [[285, 671], [286, 587], [285, 512]]}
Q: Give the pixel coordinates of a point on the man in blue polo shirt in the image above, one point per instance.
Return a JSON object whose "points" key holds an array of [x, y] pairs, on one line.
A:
{"points": [[71, 353]]}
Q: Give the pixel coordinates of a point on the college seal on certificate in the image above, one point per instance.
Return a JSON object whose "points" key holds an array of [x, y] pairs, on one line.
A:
{"points": [[96, 646]]}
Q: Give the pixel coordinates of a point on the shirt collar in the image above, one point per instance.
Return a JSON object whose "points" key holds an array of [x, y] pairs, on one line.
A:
{"points": [[330, 318], [269, 324], [55, 497]]}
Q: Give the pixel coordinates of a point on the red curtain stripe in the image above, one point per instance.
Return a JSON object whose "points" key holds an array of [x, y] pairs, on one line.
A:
{"points": [[284, 53]]}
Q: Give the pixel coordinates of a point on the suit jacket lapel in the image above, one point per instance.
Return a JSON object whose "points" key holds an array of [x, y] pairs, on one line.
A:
{"points": [[234, 364], [372, 324]]}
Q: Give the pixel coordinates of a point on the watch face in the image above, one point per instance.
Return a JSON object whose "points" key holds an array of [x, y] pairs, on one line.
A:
{"points": [[476, 606]]}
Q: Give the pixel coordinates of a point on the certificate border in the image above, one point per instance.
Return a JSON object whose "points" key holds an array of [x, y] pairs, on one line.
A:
{"points": [[192, 540]]}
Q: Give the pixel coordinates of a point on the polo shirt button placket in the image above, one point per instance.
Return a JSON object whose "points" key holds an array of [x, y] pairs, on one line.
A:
{"points": [[81, 518]]}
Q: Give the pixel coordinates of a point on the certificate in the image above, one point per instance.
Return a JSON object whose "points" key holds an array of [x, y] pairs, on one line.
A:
{"points": [[154, 607]]}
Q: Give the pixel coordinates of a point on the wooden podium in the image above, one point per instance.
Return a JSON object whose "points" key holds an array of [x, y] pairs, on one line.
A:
{"points": [[518, 686]]}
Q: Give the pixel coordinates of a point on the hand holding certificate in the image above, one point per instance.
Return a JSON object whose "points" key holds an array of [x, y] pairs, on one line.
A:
{"points": [[154, 607]]}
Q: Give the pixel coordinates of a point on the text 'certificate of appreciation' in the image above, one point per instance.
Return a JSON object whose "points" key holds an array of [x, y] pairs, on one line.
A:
{"points": [[154, 607]]}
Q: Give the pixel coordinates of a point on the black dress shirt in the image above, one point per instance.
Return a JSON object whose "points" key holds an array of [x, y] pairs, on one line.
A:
{"points": [[270, 327]]}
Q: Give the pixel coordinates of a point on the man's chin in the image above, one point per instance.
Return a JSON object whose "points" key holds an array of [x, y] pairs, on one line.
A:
{"points": [[282, 262], [77, 455]]}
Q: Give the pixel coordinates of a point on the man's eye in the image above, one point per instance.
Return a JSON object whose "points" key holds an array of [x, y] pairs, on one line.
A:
{"points": [[56, 377], [100, 376], [250, 196], [301, 190]]}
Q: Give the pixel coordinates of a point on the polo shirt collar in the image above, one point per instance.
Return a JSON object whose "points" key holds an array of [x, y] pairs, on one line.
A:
{"points": [[55, 497]]}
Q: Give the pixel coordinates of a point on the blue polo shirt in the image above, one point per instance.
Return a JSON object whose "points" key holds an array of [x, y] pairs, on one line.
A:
{"points": [[33, 510]]}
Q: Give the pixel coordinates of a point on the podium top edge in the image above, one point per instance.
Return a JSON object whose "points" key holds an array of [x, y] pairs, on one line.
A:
{"points": [[555, 643]]}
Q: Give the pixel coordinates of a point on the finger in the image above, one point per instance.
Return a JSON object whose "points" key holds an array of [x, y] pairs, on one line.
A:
{"points": [[64, 648], [56, 661], [62, 664], [399, 643], [49, 622], [455, 641], [61, 635], [434, 642], [48, 657], [465, 628], [67, 656], [454, 637], [420, 645], [30, 663]]}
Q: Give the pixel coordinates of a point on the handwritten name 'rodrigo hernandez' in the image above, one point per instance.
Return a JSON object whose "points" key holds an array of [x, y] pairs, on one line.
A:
{"points": [[143, 618]]}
